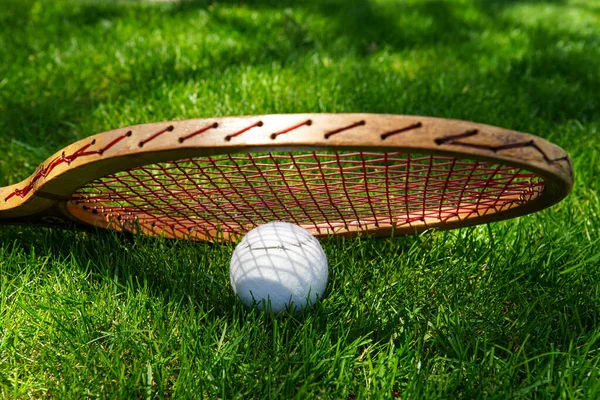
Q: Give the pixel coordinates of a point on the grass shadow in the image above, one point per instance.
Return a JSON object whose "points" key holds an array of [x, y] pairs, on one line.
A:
{"points": [[176, 271], [552, 82]]}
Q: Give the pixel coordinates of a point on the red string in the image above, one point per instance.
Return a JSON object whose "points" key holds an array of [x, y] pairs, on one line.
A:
{"points": [[198, 132], [155, 135], [232, 135], [345, 128], [322, 191], [275, 134], [43, 172]]}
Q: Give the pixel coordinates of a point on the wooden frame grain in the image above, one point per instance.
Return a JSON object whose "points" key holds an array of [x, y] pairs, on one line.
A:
{"points": [[44, 196]]}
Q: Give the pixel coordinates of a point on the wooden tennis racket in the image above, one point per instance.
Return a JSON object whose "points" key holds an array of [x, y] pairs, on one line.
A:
{"points": [[215, 179]]}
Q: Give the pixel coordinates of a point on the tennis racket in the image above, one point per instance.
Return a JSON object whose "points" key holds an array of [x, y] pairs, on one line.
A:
{"points": [[333, 174]]}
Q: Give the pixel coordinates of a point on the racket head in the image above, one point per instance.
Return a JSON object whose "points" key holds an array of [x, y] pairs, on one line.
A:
{"points": [[334, 174]]}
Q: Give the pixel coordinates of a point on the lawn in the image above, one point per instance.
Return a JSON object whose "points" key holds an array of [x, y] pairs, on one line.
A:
{"points": [[507, 310]]}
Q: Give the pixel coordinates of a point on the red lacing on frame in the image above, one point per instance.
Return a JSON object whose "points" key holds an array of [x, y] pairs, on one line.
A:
{"points": [[63, 158], [360, 191]]}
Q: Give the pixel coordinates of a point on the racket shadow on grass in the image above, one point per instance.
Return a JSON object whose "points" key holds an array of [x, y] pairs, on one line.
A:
{"points": [[178, 271]]}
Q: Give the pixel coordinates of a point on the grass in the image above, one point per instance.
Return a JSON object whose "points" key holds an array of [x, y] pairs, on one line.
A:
{"points": [[506, 310]]}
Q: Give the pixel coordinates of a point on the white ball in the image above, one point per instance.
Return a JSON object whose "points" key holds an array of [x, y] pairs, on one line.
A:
{"points": [[280, 263]]}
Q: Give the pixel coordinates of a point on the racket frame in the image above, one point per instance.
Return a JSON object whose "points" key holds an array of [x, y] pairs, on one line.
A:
{"points": [[44, 197]]}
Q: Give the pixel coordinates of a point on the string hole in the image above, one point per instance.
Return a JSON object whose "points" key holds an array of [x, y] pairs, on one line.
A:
{"points": [[309, 122], [273, 136], [215, 125], [170, 128], [228, 138], [259, 123], [141, 144], [180, 140], [129, 133]]}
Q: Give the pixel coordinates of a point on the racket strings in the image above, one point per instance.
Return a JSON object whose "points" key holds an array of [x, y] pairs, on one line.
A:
{"points": [[323, 192]]}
